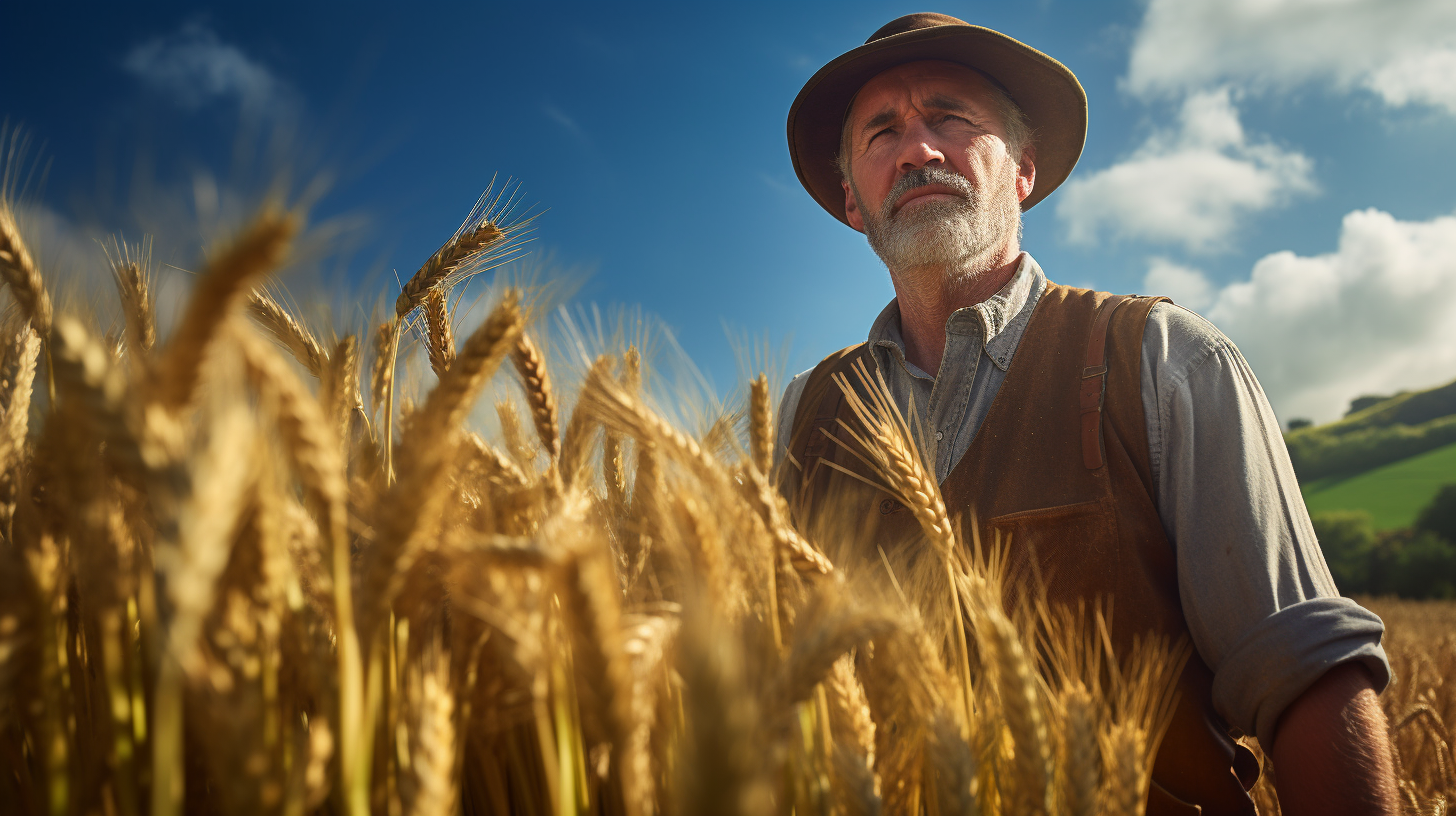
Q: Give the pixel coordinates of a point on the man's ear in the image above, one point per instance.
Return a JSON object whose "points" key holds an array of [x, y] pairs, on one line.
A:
{"points": [[851, 208], [1026, 174]]}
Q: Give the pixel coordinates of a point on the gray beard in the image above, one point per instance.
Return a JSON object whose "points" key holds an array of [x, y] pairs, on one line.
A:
{"points": [[961, 237]]}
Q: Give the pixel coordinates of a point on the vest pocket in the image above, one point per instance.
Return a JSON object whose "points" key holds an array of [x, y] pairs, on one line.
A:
{"points": [[1071, 549]]}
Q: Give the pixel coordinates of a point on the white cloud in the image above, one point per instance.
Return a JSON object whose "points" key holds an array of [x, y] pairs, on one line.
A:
{"points": [[1187, 287], [1404, 51], [194, 67], [1376, 315], [1187, 185]]}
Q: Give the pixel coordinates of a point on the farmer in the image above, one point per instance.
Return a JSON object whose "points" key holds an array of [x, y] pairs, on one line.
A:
{"points": [[1122, 444]]}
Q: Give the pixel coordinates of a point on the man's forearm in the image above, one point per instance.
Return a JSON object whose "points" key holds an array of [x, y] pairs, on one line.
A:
{"points": [[1332, 750]]}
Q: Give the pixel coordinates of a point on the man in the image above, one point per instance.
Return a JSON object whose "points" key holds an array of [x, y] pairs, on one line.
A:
{"points": [[1123, 445]]}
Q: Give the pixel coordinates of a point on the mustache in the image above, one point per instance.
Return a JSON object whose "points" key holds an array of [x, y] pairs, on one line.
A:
{"points": [[923, 176]]}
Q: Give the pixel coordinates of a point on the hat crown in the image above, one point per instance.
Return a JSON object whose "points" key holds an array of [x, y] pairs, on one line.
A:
{"points": [[914, 22]]}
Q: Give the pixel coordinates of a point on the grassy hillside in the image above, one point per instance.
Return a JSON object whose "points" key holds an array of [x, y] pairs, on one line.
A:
{"points": [[1389, 431], [1393, 494]]}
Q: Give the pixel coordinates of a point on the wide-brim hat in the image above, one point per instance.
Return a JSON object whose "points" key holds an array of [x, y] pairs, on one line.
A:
{"points": [[1046, 91]]}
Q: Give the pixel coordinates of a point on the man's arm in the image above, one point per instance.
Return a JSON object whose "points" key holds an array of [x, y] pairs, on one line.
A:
{"points": [[1331, 750], [1260, 603]]}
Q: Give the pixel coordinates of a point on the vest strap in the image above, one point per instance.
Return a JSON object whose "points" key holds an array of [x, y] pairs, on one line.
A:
{"points": [[1094, 382]]}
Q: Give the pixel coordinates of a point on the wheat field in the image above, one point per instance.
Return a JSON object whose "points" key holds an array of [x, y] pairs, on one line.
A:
{"points": [[246, 568]]}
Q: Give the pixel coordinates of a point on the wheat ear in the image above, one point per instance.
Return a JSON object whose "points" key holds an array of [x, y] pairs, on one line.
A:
{"points": [[294, 336], [259, 249], [440, 337], [1080, 768], [432, 761], [889, 447], [17, 379], [133, 285], [614, 469], [19, 270], [339, 388], [954, 767], [576, 441], [760, 424], [446, 259], [828, 626], [1026, 787], [539, 395], [1125, 786], [485, 240]]}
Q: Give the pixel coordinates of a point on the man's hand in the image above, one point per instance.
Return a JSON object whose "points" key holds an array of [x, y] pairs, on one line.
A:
{"points": [[1332, 750]]}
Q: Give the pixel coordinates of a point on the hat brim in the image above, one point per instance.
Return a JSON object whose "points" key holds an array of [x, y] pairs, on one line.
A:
{"points": [[1046, 91]]}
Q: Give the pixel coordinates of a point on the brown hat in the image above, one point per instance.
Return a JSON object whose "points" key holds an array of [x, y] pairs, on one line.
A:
{"points": [[1045, 90]]}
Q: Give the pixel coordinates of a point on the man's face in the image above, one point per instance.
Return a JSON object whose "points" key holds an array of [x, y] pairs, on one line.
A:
{"points": [[931, 181]]}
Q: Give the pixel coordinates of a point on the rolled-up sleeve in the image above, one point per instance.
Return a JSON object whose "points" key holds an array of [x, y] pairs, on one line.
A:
{"points": [[1262, 608]]}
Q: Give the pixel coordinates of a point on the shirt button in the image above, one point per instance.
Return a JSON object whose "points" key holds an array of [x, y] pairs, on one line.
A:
{"points": [[939, 435]]}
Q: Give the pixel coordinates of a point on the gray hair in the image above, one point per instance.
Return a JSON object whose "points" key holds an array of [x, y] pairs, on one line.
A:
{"points": [[1019, 135]]}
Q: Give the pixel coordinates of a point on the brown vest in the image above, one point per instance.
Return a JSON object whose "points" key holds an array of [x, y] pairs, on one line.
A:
{"points": [[1063, 474]]}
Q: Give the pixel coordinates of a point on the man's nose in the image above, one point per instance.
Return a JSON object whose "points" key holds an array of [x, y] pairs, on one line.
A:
{"points": [[919, 147]]}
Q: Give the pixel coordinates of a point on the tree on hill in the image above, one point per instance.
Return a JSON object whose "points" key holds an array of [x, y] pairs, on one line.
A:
{"points": [[1359, 404], [1439, 517], [1412, 563], [1349, 542]]}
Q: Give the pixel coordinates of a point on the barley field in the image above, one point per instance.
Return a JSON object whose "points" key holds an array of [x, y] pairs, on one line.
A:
{"points": [[247, 568]]}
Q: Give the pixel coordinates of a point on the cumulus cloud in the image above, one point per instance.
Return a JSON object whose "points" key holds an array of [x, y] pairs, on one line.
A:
{"points": [[193, 67], [1376, 315], [1188, 184], [1186, 286], [1403, 51]]}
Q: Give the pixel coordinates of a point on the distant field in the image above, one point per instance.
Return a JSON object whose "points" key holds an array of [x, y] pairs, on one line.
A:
{"points": [[1394, 494]]}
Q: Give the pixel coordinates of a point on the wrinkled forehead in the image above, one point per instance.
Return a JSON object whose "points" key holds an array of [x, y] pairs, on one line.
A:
{"points": [[914, 81]]}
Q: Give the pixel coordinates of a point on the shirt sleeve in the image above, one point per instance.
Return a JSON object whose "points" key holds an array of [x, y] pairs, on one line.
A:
{"points": [[788, 405], [1262, 608]]}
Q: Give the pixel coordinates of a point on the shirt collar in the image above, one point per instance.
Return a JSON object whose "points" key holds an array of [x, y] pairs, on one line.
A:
{"points": [[1000, 319]]}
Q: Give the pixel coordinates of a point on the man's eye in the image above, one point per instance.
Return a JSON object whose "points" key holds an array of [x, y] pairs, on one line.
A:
{"points": [[878, 134], [951, 117]]}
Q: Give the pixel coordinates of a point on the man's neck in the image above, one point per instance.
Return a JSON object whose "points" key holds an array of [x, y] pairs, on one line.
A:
{"points": [[928, 297]]}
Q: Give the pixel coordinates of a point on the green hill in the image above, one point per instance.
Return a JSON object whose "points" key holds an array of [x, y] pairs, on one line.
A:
{"points": [[1388, 431], [1393, 494]]}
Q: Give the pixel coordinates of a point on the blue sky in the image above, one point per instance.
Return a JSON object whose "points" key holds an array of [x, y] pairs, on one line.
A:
{"points": [[1281, 166]]}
